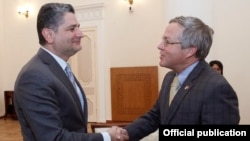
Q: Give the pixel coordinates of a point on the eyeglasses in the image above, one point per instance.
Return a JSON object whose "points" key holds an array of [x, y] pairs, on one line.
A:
{"points": [[167, 42]]}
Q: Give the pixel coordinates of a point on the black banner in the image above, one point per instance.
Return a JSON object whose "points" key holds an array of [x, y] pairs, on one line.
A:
{"points": [[199, 132]]}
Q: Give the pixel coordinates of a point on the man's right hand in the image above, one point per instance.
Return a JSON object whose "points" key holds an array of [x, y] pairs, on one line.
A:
{"points": [[118, 134]]}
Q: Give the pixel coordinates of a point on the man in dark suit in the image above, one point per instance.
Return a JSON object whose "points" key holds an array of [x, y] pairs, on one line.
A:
{"points": [[49, 106], [203, 97]]}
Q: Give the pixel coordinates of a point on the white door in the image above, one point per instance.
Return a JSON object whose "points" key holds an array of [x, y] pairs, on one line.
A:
{"points": [[84, 66]]}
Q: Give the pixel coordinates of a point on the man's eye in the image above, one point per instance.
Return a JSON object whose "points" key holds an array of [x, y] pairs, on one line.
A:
{"points": [[72, 29], [168, 42]]}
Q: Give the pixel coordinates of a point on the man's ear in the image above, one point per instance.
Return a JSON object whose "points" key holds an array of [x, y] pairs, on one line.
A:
{"points": [[48, 34], [191, 51]]}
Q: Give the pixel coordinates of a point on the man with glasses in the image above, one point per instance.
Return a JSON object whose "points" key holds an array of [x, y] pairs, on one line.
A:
{"points": [[203, 95]]}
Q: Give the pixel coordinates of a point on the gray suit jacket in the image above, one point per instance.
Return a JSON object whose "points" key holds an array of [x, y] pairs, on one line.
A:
{"points": [[204, 98], [47, 104]]}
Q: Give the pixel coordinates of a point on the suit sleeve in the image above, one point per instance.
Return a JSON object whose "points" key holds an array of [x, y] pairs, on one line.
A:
{"points": [[40, 113]]}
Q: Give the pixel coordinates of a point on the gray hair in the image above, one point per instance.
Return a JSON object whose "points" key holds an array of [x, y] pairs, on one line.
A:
{"points": [[195, 34], [51, 16]]}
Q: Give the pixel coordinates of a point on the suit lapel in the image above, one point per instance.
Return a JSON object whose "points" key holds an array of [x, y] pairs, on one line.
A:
{"points": [[60, 74], [184, 90], [84, 99], [179, 97]]}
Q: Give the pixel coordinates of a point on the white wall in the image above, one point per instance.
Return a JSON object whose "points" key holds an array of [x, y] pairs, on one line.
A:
{"points": [[131, 38], [1, 58], [231, 45]]}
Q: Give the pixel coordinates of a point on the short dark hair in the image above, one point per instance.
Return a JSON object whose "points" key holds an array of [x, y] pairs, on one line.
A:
{"points": [[50, 16], [217, 62]]}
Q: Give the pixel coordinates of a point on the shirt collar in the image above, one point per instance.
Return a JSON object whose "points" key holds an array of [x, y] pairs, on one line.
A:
{"points": [[184, 74], [59, 60]]}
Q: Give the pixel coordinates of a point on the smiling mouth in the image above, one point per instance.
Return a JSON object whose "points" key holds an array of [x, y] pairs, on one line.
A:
{"points": [[161, 57], [77, 41]]}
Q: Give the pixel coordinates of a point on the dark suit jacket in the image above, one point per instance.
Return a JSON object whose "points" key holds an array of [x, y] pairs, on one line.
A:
{"points": [[204, 98], [47, 104]]}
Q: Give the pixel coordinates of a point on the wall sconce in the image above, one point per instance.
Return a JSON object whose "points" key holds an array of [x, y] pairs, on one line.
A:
{"points": [[24, 10], [25, 13], [130, 7]]}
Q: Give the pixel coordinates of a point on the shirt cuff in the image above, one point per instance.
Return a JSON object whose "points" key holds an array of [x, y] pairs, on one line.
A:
{"points": [[106, 136]]}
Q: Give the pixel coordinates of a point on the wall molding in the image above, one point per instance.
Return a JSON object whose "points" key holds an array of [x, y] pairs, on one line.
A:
{"points": [[89, 12]]}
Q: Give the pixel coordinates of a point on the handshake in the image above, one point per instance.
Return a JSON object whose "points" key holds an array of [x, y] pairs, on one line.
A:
{"points": [[118, 134]]}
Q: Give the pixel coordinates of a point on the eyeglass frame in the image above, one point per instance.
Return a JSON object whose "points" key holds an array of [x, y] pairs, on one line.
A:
{"points": [[167, 42]]}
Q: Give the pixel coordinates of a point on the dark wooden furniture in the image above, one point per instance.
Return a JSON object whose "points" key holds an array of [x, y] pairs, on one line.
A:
{"points": [[134, 90], [9, 104]]}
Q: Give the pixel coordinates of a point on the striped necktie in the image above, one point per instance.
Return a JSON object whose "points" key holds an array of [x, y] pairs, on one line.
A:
{"points": [[72, 80]]}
